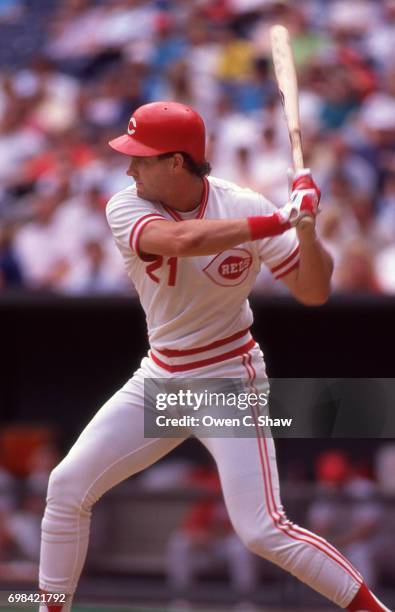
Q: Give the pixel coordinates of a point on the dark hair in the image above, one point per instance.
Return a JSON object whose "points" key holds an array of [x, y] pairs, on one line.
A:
{"points": [[198, 169]]}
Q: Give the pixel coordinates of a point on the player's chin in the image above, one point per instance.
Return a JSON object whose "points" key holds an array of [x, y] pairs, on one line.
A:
{"points": [[143, 193], [140, 190]]}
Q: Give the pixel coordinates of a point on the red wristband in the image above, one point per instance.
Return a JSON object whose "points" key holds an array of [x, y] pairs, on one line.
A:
{"points": [[268, 225]]}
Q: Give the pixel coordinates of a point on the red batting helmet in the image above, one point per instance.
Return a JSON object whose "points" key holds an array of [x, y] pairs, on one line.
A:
{"points": [[163, 127]]}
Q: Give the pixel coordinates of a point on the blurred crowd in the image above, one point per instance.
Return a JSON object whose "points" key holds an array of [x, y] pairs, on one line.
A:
{"points": [[99, 60], [26, 460]]}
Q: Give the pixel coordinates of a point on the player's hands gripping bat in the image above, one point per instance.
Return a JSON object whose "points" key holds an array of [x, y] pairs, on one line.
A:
{"points": [[304, 200], [303, 187]]}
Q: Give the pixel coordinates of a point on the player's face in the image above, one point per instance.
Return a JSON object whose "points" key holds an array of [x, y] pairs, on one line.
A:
{"points": [[152, 176]]}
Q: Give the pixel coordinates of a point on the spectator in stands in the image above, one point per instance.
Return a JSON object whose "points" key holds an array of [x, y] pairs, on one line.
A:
{"points": [[336, 228], [8, 510], [375, 136], [385, 221], [42, 461], [10, 271], [202, 58], [18, 141], [97, 271], [269, 153], [23, 531], [347, 174], [7, 492], [385, 269], [356, 272], [42, 254], [11, 11], [21, 508], [55, 96], [385, 468], [380, 42], [236, 131]]}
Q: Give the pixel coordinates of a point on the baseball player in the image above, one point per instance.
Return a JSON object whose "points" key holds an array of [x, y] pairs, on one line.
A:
{"points": [[193, 246]]}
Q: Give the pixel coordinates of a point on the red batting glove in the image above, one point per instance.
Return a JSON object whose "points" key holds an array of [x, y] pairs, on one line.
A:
{"points": [[305, 194], [303, 202], [304, 180]]}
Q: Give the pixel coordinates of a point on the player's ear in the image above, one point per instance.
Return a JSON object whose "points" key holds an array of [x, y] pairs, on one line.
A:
{"points": [[178, 162]]}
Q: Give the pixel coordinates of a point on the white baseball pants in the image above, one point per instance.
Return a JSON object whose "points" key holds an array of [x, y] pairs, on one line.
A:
{"points": [[112, 447]]}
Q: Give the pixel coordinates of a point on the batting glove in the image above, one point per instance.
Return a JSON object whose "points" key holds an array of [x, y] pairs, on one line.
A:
{"points": [[304, 199], [303, 180]]}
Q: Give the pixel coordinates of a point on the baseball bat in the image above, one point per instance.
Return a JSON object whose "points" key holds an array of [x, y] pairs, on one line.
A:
{"points": [[285, 71]]}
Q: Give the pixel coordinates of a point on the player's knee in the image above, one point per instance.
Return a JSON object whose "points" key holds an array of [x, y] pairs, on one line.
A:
{"points": [[255, 544], [63, 487], [261, 539], [253, 539]]}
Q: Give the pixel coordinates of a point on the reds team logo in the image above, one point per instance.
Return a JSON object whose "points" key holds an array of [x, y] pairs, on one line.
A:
{"points": [[229, 268], [132, 126]]}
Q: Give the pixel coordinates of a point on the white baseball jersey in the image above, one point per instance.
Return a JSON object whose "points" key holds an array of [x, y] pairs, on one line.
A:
{"points": [[196, 307]]}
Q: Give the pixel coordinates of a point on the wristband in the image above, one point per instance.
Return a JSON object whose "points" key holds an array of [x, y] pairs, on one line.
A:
{"points": [[268, 225]]}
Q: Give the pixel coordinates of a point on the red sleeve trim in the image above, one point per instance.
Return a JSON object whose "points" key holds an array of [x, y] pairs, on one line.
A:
{"points": [[286, 261], [145, 256], [136, 233], [296, 265]]}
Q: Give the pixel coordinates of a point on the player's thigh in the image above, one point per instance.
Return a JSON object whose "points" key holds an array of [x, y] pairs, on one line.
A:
{"points": [[244, 464], [249, 480], [112, 447], [247, 465], [243, 455]]}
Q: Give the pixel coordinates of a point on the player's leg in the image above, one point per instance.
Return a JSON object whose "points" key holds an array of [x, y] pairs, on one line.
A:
{"points": [[249, 479], [252, 497], [250, 487], [111, 448]]}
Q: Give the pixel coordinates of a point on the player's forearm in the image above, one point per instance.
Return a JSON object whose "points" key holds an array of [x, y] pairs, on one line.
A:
{"points": [[315, 270], [208, 237], [201, 237], [193, 238]]}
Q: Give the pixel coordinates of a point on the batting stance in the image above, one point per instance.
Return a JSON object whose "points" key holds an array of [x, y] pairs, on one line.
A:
{"points": [[193, 247]]}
